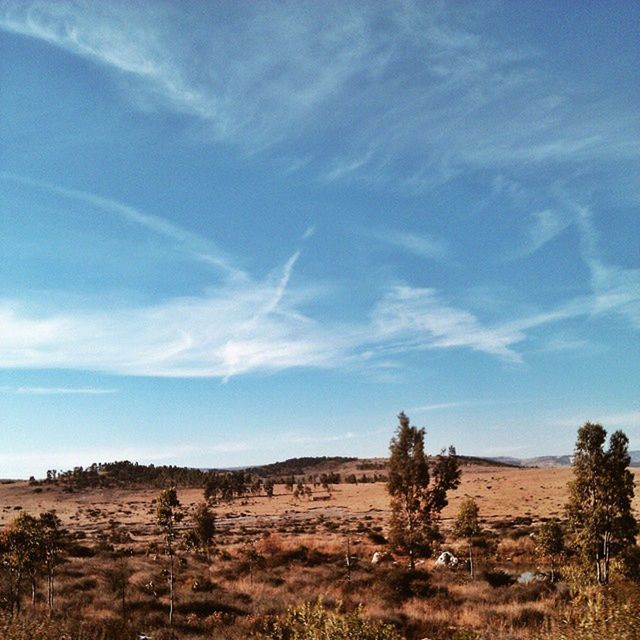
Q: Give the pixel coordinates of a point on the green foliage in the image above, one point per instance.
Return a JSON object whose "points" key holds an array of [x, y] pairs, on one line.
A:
{"points": [[549, 539], [30, 547], [168, 515], [168, 511], [417, 496], [314, 622], [599, 508], [124, 473], [467, 524], [599, 613], [203, 526]]}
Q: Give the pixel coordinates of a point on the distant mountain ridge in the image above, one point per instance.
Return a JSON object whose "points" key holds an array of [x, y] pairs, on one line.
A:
{"points": [[552, 461]]}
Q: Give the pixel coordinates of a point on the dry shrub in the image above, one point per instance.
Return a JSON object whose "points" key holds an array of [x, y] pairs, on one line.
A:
{"points": [[498, 579], [269, 545], [398, 585]]}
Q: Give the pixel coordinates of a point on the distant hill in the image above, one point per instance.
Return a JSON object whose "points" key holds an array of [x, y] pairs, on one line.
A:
{"points": [[553, 461], [345, 466], [300, 466]]}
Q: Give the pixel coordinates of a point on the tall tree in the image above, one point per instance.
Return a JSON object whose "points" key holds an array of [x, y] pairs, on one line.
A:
{"points": [[20, 547], [599, 507], [168, 515], [52, 548], [417, 496]]}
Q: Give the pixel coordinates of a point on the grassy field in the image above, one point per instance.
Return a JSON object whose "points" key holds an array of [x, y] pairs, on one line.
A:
{"points": [[273, 553]]}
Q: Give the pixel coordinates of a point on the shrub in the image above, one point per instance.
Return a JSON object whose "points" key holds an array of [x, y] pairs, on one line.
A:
{"points": [[498, 578], [398, 585], [314, 622]]}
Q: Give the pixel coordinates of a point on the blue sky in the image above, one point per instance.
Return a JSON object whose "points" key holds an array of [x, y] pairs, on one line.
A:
{"points": [[237, 232]]}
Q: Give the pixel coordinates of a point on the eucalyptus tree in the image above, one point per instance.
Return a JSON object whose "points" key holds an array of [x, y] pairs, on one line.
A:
{"points": [[599, 510], [417, 490], [168, 515]]}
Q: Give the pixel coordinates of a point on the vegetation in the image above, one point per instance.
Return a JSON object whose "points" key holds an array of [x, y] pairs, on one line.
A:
{"points": [[550, 543], [416, 502], [168, 515], [30, 547], [467, 526], [315, 622], [599, 508], [273, 557]]}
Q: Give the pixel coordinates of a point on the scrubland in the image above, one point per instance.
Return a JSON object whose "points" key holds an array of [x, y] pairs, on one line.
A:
{"points": [[274, 554]]}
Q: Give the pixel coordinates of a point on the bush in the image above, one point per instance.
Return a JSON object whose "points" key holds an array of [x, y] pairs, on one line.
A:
{"points": [[498, 578], [398, 585], [314, 622]]}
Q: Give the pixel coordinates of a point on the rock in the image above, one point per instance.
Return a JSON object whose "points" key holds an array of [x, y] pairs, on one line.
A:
{"points": [[447, 559], [379, 558]]}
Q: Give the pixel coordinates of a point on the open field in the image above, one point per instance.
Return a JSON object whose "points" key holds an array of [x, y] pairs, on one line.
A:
{"points": [[501, 492], [274, 553]]}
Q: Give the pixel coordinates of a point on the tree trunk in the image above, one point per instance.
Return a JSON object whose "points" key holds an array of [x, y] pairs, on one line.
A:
{"points": [[471, 560], [607, 551], [171, 589], [50, 590]]}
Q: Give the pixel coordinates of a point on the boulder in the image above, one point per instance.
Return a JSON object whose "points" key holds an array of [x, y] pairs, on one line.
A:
{"points": [[447, 559], [380, 557]]}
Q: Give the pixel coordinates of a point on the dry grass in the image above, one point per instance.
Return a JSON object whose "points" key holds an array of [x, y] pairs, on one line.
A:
{"points": [[302, 545]]}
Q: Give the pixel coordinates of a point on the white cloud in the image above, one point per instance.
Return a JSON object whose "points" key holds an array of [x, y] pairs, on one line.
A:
{"points": [[197, 247], [418, 313], [301, 439], [420, 244], [615, 289], [406, 92], [60, 391], [544, 227]]}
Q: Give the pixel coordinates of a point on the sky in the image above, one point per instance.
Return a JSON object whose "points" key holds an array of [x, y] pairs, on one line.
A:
{"points": [[233, 233]]}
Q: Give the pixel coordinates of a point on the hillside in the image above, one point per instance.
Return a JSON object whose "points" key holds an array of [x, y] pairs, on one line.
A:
{"points": [[554, 461]]}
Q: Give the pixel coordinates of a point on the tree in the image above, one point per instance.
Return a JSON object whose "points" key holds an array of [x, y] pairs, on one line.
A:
{"points": [[269, 486], [467, 525], [117, 580], [21, 551], [168, 516], [599, 507], [550, 543], [416, 502], [204, 526], [52, 548]]}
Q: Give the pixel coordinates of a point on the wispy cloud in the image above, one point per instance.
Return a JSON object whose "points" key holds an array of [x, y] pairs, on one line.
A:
{"points": [[417, 313], [610, 420], [425, 408], [419, 244], [347, 73], [59, 391], [304, 440], [217, 334], [310, 231], [192, 244], [616, 289], [248, 326], [544, 226]]}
